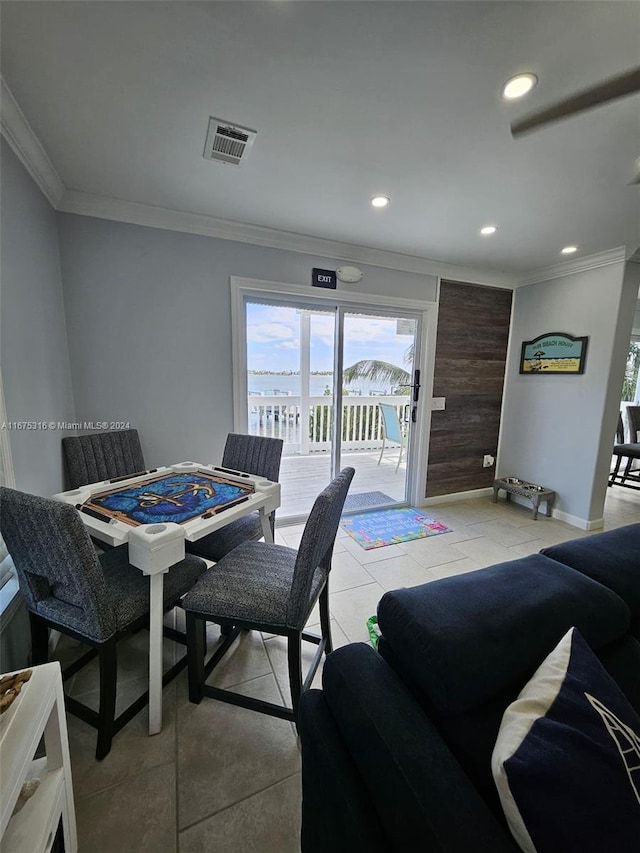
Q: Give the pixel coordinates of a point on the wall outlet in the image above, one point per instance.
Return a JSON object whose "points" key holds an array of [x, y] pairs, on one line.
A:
{"points": [[488, 461]]}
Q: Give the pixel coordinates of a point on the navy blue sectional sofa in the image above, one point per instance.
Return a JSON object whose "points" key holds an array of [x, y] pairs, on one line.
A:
{"points": [[397, 745]]}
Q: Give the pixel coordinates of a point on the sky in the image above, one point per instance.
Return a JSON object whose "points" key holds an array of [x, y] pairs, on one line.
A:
{"points": [[273, 339]]}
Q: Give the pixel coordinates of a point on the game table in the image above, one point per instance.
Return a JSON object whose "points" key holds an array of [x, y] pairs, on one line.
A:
{"points": [[154, 512]]}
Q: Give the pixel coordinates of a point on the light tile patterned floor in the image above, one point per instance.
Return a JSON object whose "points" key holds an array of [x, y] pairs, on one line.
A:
{"points": [[220, 778]]}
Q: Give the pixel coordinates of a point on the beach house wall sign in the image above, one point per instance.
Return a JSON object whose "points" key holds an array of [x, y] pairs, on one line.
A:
{"points": [[553, 353]]}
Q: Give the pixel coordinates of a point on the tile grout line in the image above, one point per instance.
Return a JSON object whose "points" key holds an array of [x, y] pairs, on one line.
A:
{"points": [[123, 781], [241, 800]]}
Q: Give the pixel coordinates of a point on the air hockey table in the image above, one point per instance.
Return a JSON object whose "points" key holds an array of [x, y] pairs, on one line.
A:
{"points": [[154, 512]]}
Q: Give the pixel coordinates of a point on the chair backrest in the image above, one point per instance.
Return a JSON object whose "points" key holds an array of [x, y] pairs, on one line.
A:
{"points": [[58, 570], [253, 454], [316, 545], [102, 455], [620, 430], [391, 422], [633, 413]]}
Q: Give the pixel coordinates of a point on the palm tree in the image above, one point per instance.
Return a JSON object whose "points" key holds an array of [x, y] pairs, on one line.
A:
{"points": [[376, 371], [380, 371]]}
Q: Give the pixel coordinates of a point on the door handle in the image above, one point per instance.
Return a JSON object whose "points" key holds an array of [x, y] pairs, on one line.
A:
{"points": [[416, 385]]}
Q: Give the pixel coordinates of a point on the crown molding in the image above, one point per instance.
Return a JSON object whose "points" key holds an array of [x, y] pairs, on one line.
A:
{"points": [[27, 147], [588, 262], [20, 135], [134, 213]]}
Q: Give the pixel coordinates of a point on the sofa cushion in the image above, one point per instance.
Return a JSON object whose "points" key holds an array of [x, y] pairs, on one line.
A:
{"points": [[422, 797], [461, 641], [567, 758], [337, 811], [611, 558]]}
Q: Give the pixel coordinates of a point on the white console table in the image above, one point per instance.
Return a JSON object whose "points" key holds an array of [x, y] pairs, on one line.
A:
{"points": [[37, 711]]}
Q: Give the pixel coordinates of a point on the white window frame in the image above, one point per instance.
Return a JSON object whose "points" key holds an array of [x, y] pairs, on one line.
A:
{"points": [[242, 288]]}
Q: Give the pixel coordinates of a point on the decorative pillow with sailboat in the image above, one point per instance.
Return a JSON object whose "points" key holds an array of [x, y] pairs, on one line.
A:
{"points": [[567, 759]]}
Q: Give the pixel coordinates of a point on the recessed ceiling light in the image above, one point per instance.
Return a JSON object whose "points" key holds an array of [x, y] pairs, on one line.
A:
{"points": [[518, 86], [489, 229], [569, 250], [380, 201]]}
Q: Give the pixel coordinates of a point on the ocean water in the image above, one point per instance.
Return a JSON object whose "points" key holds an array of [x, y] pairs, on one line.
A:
{"points": [[267, 383]]}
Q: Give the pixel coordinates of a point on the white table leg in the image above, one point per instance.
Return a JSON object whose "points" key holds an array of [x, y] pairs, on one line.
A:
{"points": [[155, 653], [266, 526], [154, 548]]}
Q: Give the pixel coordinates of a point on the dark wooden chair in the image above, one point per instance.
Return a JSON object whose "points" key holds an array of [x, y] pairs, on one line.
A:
{"points": [[629, 451]]}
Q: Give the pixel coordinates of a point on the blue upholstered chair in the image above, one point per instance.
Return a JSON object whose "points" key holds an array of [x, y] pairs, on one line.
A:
{"points": [[268, 588], [101, 456], [96, 600], [392, 429], [253, 454]]}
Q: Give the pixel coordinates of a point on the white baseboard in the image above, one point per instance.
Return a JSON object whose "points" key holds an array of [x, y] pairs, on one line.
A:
{"points": [[576, 521], [458, 496]]}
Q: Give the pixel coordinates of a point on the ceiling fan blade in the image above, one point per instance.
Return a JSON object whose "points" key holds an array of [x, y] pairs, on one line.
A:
{"points": [[615, 87]]}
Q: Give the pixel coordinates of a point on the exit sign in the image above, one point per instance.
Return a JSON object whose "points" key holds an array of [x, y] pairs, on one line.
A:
{"points": [[323, 278]]}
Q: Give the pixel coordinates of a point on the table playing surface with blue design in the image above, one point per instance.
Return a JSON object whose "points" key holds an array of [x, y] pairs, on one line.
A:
{"points": [[173, 497]]}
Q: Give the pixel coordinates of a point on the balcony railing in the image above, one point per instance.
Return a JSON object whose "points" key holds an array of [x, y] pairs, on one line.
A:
{"points": [[305, 423]]}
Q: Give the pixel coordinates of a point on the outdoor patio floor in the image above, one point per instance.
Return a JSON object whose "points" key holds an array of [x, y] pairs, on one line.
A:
{"points": [[302, 478]]}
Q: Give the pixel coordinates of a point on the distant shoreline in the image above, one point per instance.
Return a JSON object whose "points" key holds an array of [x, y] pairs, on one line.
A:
{"points": [[288, 372]]}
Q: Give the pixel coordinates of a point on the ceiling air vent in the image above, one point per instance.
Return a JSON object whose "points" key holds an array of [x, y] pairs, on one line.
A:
{"points": [[227, 142]]}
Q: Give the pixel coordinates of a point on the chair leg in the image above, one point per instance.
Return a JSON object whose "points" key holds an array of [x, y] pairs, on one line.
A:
{"points": [[382, 449], [325, 619], [39, 640], [107, 657], [294, 654], [627, 468], [400, 456], [196, 646], [614, 474]]}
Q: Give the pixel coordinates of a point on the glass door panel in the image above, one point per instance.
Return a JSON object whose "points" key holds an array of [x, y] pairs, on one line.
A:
{"points": [[336, 385], [290, 352], [377, 386]]}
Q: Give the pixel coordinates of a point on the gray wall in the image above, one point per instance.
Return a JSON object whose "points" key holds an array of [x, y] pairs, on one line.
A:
{"points": [[33, 339], [558, 430], [149, 326]]}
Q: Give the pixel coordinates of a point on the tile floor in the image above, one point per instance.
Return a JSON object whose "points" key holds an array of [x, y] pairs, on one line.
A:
{"points": [[220, 778]]}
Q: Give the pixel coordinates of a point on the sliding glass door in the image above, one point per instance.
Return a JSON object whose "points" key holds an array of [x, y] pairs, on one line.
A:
{"points": [[337, 383]]}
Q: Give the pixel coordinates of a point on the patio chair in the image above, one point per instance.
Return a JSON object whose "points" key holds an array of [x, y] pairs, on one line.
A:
{"points": [[102, 456], [253, 454], [97, 600], [391, 429], [268, 588]]}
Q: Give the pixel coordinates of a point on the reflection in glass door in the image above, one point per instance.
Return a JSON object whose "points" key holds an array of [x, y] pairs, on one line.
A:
{"points": [[336, 385]]}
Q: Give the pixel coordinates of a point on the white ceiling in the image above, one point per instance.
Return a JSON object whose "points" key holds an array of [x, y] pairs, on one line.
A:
{"points": [[349, 99]]}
